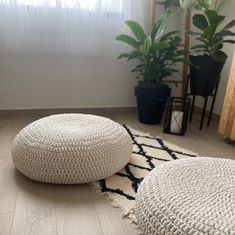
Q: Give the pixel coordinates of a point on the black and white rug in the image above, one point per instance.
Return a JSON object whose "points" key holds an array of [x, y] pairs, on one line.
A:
{"points": [[148, 153]]}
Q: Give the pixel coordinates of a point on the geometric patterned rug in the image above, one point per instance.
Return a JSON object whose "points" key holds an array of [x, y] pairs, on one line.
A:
{"points": [[148, 153]]}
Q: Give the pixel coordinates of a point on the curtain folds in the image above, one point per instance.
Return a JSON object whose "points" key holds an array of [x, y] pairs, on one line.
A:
{"points": [[79, 27]]}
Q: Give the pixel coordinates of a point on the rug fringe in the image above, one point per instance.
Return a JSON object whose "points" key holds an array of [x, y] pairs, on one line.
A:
{"points": [[129, 214]]}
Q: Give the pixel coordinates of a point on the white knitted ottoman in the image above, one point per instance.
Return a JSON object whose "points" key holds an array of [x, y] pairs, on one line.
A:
{"points": [[189, 196], [71, 149]]}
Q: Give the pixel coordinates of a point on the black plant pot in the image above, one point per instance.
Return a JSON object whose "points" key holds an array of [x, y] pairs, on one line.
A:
{"points": [[151, 101], [205, 75]]}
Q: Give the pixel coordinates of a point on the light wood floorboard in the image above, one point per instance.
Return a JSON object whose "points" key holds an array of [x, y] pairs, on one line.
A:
{"points": [[35, 208], [28, 207], [9, 188], [5, 223], [75, 211]]}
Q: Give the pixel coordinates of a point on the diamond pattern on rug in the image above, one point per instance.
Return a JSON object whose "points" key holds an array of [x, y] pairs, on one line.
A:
{"points": [[148, 153]]}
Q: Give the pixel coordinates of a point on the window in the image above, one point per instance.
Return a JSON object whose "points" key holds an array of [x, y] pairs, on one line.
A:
{"points": [[81, 27], [89, 5]]}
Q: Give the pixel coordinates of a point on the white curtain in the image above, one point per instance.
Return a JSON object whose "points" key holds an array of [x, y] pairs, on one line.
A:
{"points": [[86, 27]]}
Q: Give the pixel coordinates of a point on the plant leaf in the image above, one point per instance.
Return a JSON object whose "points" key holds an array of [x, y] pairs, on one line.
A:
{"points": [[202, 4], [219, 56], [229, 41], [147, 45], [168, 13], [204, 40], [209, 31], [135, 55], [182, 52], [158, 29], [225, 33], [229, 25], [194, 33], [209, 2], [128, 39], [222, 5], [200, 21], [198, 46], [216, 41], [176, 41], [136, 29], [123, 55], [213, 17], [161, 45], [168, 35]]}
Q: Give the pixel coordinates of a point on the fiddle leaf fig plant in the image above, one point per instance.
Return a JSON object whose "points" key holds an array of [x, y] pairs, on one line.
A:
{"points": [[212, 33], [157, 53]]}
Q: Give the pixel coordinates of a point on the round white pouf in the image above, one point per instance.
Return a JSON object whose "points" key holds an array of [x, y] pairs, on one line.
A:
{"points": [[71, 149], [189, 196]]}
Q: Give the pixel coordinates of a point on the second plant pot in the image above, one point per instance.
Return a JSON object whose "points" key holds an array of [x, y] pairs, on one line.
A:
{"points": [[151, 101], [204, 74]]}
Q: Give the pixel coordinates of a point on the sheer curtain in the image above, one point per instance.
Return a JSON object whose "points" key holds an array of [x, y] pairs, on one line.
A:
{"points": [[86, 27]]}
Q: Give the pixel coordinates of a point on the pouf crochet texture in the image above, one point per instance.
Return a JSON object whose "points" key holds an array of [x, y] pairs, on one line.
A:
{"points": [[71, 149], [189, 196]]}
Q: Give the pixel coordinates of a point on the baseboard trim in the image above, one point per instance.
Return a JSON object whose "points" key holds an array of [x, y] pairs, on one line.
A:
{"points": [[46, 112], [95, 111], [198, 110]]}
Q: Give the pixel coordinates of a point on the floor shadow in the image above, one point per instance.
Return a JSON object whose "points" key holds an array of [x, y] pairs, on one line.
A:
{"points": [[60, 193]]}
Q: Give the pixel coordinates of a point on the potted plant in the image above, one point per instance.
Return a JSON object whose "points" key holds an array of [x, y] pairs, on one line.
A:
{"points": [[210, 58], [158, 54]]}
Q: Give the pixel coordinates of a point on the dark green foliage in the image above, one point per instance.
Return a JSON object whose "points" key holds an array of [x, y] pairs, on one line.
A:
{"points": [[158, 53], [212, 35]]}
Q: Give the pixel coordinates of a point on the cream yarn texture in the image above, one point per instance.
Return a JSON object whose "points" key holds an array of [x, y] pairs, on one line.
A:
{"points": [[71, 149], [188, 196]]}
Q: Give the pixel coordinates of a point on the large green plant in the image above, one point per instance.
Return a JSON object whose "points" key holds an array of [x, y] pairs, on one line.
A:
{"points": [[186, 4], [158, 53], [212, 33]]}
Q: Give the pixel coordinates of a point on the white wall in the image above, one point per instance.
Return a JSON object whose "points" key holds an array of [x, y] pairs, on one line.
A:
{"points": [[31, 82]]}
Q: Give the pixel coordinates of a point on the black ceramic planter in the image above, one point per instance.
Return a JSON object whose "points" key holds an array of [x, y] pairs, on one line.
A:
{"points": [[204, 75], [151, 101]]}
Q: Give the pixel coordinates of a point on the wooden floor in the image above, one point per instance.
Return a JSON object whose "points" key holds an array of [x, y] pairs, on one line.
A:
{"points": [[28, 207]]}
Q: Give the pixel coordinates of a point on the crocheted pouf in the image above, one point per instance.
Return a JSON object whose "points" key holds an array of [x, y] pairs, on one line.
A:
{"points": [[71, 149], [188, 196]]}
